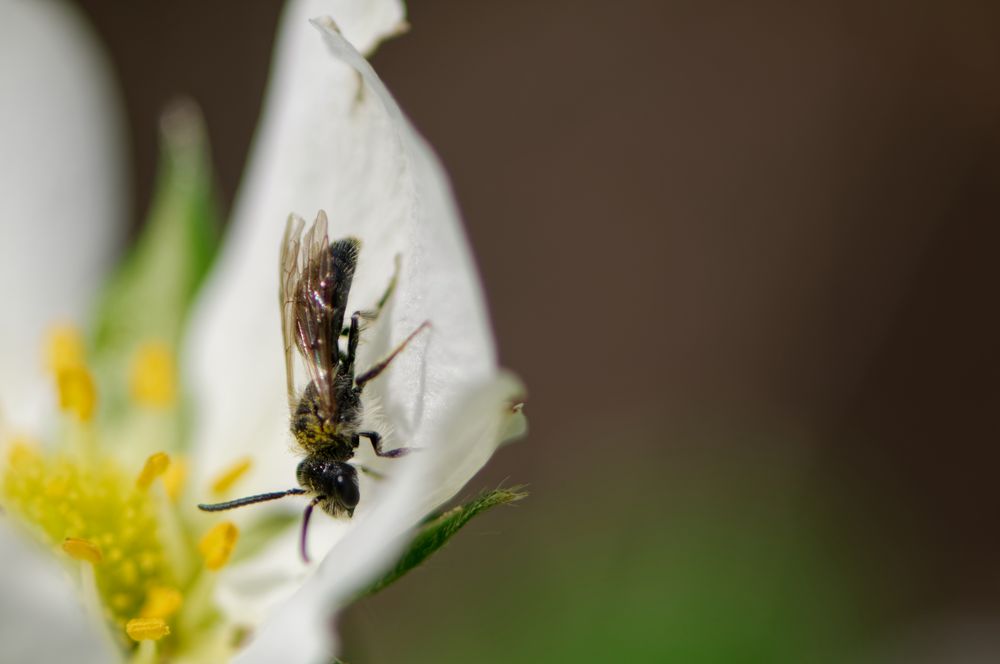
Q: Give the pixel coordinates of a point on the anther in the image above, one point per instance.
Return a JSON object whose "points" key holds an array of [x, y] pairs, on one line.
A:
{"points": [[218, 543], [22, 453], [173, 478], [63, 349], [81, 549], [226, 479], [155, 466], [161, 602], [153, 380], [77, 393], [147, 629]]}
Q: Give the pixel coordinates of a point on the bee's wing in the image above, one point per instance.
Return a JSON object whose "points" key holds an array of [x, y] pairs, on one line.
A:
{"points": [[289, 274], [312, 288]]}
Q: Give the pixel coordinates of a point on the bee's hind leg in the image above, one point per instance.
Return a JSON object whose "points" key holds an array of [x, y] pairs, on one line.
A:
{"points": [[376, 439], [379, 367], [353, 329], [370, 315]]}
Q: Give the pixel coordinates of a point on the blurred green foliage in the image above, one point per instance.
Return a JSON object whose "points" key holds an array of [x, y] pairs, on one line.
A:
{"points": [[148, 298], [149, 295], [436, 532], [707, 561]]}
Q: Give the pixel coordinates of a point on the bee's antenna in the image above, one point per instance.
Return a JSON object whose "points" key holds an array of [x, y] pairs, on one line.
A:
{"points": [[250, 500], [305, 527]]}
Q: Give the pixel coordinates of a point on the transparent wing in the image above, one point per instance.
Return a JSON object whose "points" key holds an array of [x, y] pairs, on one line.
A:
{"points": [[289, 274], [314, 283], [313, 311]]}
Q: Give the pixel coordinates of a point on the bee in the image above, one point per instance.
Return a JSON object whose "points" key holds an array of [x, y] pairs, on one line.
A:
{"points": [[315, 278]]}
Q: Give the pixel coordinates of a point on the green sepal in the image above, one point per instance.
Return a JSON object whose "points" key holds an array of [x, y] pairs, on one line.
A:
{"points": [[151, 291], [438, 530], [149, 295]]}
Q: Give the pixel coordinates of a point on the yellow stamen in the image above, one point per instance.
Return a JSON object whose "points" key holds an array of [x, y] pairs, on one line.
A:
{"points": [[22, 452], [147, 629], [231, 475], [63, 349], [153, 381], [155, 466], [217, 544], [104, 512], [161, 602], [77, 393], [64, 357], [81, 549], [173, 478]]}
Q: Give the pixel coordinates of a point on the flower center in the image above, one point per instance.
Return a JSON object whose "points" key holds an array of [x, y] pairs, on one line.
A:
{"points": [[98, 514], [143, 559]]}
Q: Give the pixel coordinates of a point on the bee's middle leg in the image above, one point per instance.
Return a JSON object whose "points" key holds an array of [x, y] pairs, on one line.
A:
{"points": [[376, 439]]}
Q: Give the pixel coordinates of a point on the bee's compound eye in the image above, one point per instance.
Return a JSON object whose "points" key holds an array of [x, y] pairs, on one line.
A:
{"points": [[346, 487]]}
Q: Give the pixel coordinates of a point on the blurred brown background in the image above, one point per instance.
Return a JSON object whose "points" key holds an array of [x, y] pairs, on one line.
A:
{"points": [[745, 257]]}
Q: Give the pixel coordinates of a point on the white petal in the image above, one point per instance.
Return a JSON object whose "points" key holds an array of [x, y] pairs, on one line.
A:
{"points": [[299, 162], [448, 380], [444, 395], [235, 346], [248, 591], [61, 188], [40, 617], [364, 23]]}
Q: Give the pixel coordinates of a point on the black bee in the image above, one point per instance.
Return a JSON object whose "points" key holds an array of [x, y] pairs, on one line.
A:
{"points": [[314, 282]]}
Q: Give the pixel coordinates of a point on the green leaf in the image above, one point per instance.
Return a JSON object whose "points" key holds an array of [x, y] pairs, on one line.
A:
{"points": [[149, 295], [436, 532]]}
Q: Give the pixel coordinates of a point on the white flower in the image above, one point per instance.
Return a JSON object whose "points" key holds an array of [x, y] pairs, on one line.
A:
{"points": [[61, 204], [332, 139], [62, 197]]}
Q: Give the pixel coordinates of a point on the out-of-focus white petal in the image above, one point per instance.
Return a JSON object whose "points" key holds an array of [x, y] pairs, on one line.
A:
{"points": [[41, 619], [444, 395], [302, 160], [62, 200], [248, 591]]}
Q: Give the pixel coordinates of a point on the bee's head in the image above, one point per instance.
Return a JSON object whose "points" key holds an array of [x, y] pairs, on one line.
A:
{"points": [[335, 481]]}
